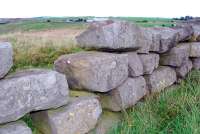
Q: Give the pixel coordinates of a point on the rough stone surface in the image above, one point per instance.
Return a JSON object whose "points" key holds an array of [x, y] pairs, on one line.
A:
{"points": [[113, 35], [185, 32], [160, 79], [106, 122], [161, 39], [135, 66], [15, 128], [176, 56], [149, 62], [153, 39], [196, 63], [184, 69], [196, 35], [194, 49], [6, 58], [126, 95], [31, 90], [79, 117], [94, 71], [147, 43]]}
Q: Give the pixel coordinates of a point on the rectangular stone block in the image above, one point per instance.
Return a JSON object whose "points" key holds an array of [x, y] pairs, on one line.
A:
{"points": [[176, 56], [31, 90], [161, 78], [135, 66], [93, 71], [6, 58], [184, 69], [150, 62], [126, 95], [78, 117]]}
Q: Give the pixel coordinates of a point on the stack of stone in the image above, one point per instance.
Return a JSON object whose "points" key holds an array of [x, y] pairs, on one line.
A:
{"points": [[33, 90], [185, 55], [124, 66]]}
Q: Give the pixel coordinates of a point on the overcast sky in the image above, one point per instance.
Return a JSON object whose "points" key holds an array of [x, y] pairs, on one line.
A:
{"points": [[135, 8]]}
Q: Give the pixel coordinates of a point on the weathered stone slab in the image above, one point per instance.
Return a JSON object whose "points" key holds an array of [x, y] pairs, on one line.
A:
{"points": [[161, 78], [185, 32], [184, 69], [31, 90], [176, 56], [78, 117], [196, 35], [196, 63], [153, 39], [146, 44], [194, 49], [126, 95], [135, 66], [112, 35], [93, 71], [18, 127], [6, 58], [149, 62], [162, 39], [106, 122]]}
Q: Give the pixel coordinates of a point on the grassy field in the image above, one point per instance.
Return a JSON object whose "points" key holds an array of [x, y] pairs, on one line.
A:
{"points": [[29, 26], [175, 111], [150, 22]]}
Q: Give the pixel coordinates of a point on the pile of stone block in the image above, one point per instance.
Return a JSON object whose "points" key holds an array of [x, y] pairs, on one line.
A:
{"points": [[87, 91]]}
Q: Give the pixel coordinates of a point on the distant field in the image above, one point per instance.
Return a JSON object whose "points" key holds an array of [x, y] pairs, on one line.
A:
{"points": [[150, 22], [37, 25], [28, 26]]}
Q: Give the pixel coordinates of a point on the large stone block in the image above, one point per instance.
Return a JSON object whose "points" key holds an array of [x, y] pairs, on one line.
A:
{"points": [[135, 66], [146, 44], [196, 63], [149, 62], [6, 58], [153, 39], [196, 35], [107, 121], [185, 32], [126, 95], [18, 127], [31, 90], [184, 69], [93, 71], [161, 39], [160, 79], [78, 117], [176, 56], [112, 35], [194, 49]]}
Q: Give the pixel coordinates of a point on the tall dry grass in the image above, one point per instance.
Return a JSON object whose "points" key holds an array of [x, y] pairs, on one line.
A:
{"points": [[41, 49]]}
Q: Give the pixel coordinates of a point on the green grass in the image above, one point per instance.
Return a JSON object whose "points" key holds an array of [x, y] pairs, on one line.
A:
{"points": [[27, 119], [174, 111], [149, 22], [38, 25], [40, 57]]}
